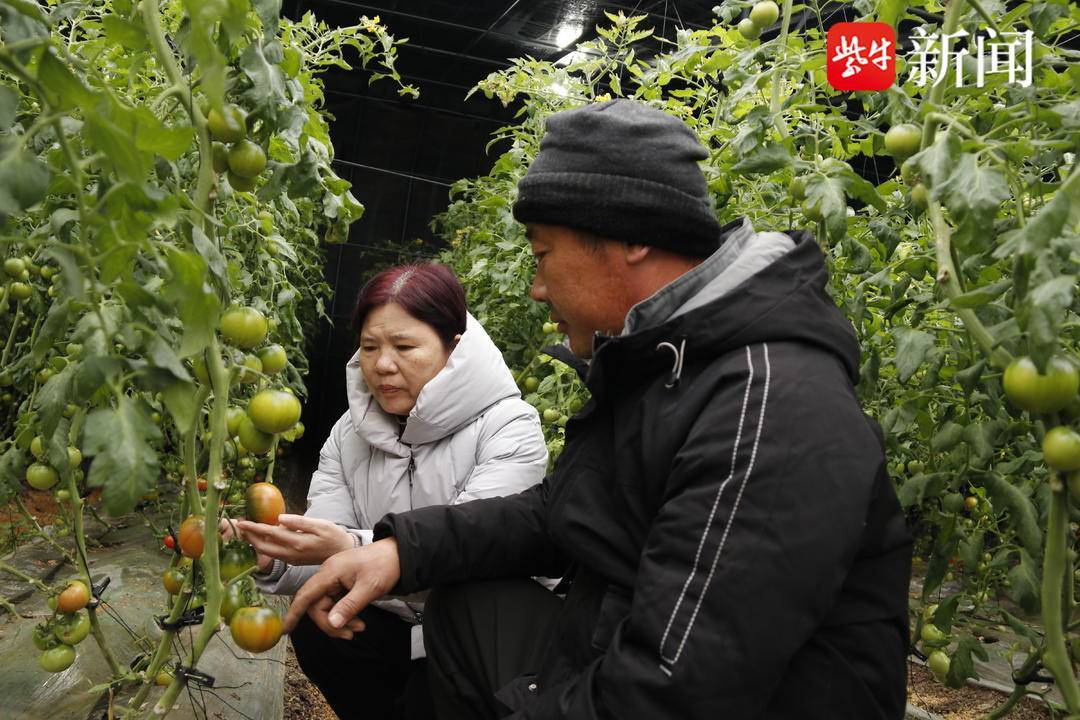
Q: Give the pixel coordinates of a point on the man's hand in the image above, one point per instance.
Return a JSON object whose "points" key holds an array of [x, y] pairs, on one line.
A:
{"points": [[363, 574], [296, 539]]}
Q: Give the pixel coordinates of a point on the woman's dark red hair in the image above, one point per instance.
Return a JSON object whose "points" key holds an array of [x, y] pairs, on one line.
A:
{"points": [[430, 292]]}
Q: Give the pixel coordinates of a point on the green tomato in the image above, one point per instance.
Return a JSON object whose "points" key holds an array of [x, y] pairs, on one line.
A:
{"points": [[244, 327], [73, 629], [531, 383], [240, 183], [797, 188], [274, 411], [21, 291], [40, 476], [551, 415], [250, 369], [902, 141], [1030, 390], [57, 659], [764, 13], [748, 29], [232, 420], [220, 155], [229, 125], [201, 373], [252, 438], [939, 664], [246, 159], [235, 559], [43, 637], [933, 636], [1061, 449], [14, 267], [74, 457], [37, 448], [920, 198], [273, 358]]}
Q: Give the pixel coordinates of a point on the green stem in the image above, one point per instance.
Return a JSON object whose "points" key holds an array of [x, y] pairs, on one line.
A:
{"points": [[1056, 654], [937, 92], [11, 335], [778, 75], [12, 570], [1020, 690], [7, 605], [273, 459], [163, 653], [947, 278], [219, 378]]}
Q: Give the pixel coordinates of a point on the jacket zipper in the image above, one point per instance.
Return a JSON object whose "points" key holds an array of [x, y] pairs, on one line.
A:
{"points": [[412, 466]]}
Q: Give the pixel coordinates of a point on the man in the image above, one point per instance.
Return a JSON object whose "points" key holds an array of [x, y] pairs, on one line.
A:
{"points": [[721, 513]]}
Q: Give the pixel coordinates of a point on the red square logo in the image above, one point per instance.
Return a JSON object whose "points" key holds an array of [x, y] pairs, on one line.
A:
{"points": [[862, 56]]}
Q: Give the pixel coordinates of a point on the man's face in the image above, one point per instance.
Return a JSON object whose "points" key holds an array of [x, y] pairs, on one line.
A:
{"points": [[583, 285]]}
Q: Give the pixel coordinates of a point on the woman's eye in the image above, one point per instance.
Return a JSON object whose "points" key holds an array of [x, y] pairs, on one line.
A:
{"points": [[403, 348]]}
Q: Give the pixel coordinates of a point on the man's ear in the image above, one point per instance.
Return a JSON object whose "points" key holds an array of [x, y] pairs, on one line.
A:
{"points": [[636, 253]]}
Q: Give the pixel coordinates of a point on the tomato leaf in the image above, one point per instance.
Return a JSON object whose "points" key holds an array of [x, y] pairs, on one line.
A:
{"points": [[912, 347], [53, 398], [23, 179], [1020, 628], [1021, 510], [63, 90], [180, 398], [9, 107], [947, 437], [1024, 585], [982, 295], [767, 158], [124, 32], [962, 666], [936, 162], [971, 550], [1050, 220], [196, 302], [124, 462], [56, 322], [973, 194], [917, 487], [12, 468]]}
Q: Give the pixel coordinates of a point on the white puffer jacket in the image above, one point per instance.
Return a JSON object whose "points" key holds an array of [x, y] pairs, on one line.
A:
{"points": [[469, 436]]}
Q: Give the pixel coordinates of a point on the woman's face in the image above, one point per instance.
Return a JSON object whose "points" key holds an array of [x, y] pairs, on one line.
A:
{"points": [[398, 355]]}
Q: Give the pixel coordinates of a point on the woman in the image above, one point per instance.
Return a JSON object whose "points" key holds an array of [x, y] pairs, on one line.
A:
{"points": [[434, 418]]}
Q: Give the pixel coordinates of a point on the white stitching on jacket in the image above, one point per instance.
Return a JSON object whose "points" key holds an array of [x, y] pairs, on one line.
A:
{"points": [[716, 504], [734, 508]]}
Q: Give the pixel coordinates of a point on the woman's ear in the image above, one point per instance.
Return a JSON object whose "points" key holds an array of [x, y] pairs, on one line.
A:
{"points": [[457, 339]]}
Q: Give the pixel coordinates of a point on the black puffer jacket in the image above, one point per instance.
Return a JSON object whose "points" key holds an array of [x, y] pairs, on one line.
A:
{"points": [[736, 547]]}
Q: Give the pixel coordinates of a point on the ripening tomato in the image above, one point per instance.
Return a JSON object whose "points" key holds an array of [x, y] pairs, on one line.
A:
{"points": [[244, 327], [173, 580], [74, 597], [191, 536], [264, 503], [274, 411], [57, 659], [255, 629]]}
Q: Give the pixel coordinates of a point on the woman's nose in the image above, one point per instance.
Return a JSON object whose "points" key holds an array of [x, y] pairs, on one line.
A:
{"points": [[385, 364]]}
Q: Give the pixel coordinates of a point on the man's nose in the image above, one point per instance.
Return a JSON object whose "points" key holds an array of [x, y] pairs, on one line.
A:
{"points": [[538, 291]]}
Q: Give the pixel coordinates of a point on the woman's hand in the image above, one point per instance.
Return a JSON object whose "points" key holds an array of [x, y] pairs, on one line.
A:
{"points": [[296, 539], [229, 529]]}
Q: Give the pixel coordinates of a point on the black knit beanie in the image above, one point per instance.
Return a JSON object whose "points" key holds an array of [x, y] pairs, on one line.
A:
{"points": [[624, 171]]}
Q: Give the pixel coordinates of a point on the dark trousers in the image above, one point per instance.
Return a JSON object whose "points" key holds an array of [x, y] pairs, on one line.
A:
{"points": [[370, 676], [479, 636]]}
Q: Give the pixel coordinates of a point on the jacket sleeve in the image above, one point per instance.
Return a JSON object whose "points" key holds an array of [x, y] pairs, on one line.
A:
{"points": [[478, 540], [511, 454], [761, 517], [329, 498]]}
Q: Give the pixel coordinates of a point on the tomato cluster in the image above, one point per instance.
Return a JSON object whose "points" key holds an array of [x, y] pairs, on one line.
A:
{"points": [[57, 636], [245, 160]]}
